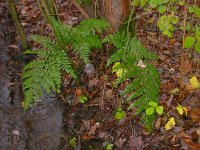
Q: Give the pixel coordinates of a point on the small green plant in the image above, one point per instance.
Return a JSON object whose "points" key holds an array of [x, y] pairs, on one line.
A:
{"points": [[153, 107], [109, 146], [120, 114], [83, 99], [144, 80], [195, 9], [167, 9], [191, 41], [43, 74], [166, 24], [72, 142]]}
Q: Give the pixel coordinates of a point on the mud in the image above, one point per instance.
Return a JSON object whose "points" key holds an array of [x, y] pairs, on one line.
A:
{"points": [[38, 128]]}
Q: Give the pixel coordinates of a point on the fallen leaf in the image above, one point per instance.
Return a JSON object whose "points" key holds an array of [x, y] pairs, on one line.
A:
{"points": [[195, 115], [120, 142], [135, 142], [180, 109], [175, 91], [93, 128], [86, 124], [170, 124], [186, 67], [194, 82]]}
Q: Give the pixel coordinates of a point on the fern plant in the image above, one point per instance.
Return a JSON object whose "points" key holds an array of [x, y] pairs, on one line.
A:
{"points": [[44, 73], [144, 80]]}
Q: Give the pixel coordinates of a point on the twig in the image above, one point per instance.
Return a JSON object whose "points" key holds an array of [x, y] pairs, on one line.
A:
{"points": [[128, 36], [80, 9]]}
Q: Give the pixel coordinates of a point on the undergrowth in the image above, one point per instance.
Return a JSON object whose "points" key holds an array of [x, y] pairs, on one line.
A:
{"points": [[43, 74], [135, 62]]}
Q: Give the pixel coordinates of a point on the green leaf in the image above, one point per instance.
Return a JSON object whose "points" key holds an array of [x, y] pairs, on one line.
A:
{"points": [[83, 99], [162, 9], [182, 3], [197, 47], [150, 110], [153, 104], [196, 10], [72, 142], [191, 10], [120, 114], [143, 2], [159, 110], [189, 42], [197, 35], [167, 33]]}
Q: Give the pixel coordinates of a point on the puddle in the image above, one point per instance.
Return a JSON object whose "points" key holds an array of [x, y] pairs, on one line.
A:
{"points": [[38, 128]]}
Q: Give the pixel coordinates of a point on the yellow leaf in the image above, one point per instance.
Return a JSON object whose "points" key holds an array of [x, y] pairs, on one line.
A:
{"points": [[194, 82], [119, 72], [185, 110], [174, 91], [115, 67], [170, 124], [180, 109]]}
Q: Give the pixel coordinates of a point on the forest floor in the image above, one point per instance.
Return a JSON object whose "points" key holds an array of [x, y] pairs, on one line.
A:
{"points": [[93, 123]]}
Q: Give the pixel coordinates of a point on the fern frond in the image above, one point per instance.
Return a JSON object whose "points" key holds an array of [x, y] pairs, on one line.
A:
{"points": [[44, 73], [144, 82]]}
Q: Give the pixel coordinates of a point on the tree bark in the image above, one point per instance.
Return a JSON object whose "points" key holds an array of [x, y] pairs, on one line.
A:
{"points": [[115, 11], [13, 11]]}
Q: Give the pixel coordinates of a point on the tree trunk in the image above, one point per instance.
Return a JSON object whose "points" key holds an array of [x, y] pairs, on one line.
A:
{"points": [[115, 11], [13, 11]]}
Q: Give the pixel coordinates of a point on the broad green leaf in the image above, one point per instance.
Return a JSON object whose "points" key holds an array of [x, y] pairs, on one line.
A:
{"points": [[191, 9], [170, 124], [189, 42], [159, 110], [150, 111], [196, 10], [197, 47], [153, 104], [162, 9]]}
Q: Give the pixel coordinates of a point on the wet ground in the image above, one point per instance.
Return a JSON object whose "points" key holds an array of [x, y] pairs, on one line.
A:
{"points": [[38, 128]]}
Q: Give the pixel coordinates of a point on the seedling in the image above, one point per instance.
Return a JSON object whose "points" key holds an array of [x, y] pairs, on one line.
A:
{"points": [[72, 142], [109, 146], [83, 99], [154, 108], [120, 114]]}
